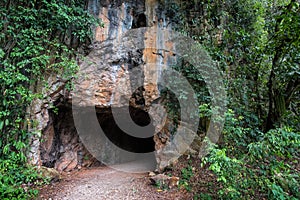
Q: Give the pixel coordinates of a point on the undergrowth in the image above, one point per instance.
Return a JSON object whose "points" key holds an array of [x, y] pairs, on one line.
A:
{"points": [[19, 180], [265, 167]]}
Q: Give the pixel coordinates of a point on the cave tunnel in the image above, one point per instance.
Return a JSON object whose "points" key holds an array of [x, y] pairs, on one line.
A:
{"points": [[140, 20], [123, 139], [61, 142]]}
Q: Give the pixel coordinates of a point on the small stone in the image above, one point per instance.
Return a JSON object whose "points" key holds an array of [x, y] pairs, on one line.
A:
{"points": [[174, 181], [152, 174], [53, 174], [165, 180], [159, 178]]}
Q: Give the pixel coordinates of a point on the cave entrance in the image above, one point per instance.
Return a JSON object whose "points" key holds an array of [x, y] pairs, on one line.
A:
{"points": [[63, 149], [121, 136], [139, 20]]}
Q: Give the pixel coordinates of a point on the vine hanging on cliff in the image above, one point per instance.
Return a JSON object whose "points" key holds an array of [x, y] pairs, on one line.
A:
{"points": [[36, 38]]}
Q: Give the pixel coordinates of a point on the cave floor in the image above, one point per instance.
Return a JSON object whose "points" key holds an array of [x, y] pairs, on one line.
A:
{"points": [[106, 183]]}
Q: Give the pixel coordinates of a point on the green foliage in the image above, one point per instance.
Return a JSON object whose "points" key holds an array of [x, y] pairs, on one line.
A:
{"points": [[268, 167], [257, 45], [202, 196], [176, 104], [37, 38], [17, 181], [239, 131], [186, 174], [34, 43]]}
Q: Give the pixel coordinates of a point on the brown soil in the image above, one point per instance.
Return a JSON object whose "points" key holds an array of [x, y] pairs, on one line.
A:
{"points": [[106, 183]]}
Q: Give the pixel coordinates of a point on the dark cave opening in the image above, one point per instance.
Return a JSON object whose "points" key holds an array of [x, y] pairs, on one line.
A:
{"points": [[62, 148], [139, 21], [122, 138]]}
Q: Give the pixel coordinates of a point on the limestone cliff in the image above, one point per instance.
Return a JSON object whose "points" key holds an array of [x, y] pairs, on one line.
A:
{"points": [[121, 71]]}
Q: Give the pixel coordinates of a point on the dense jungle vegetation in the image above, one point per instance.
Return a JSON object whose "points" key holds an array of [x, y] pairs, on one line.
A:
{"points": [[256, 44], [36, 38]]}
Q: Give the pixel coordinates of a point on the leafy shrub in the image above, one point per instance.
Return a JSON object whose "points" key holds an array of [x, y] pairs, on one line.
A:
{"points": [[186, 174], [268, 169], [17, 181]]}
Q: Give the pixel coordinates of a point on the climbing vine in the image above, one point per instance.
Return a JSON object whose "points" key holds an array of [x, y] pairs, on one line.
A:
{"points": [[36, 38]]}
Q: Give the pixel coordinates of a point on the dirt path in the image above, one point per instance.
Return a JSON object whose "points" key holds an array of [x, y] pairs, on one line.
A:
{"points": [[104, 183]]}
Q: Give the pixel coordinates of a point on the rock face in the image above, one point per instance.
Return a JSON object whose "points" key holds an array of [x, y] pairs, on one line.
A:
{"points": [[61, 147], [121, 71]]}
